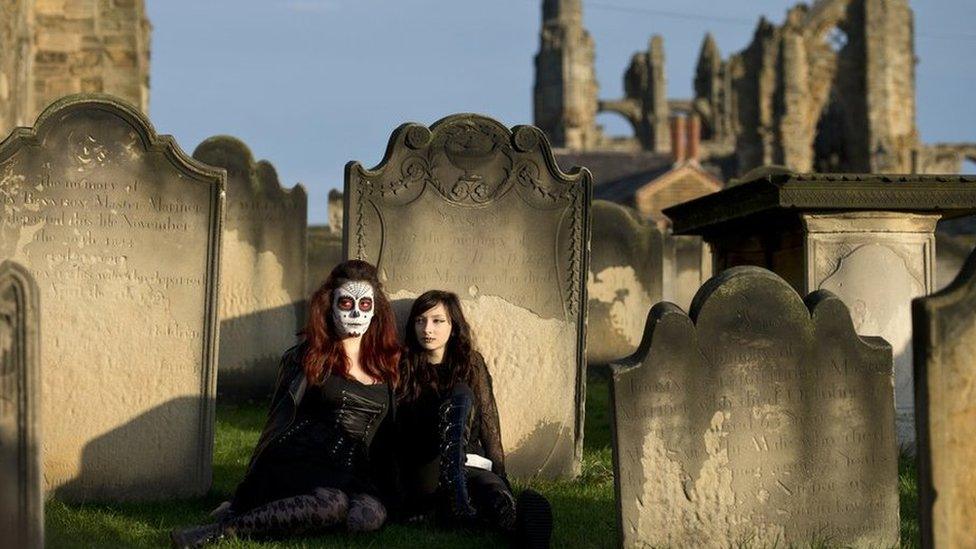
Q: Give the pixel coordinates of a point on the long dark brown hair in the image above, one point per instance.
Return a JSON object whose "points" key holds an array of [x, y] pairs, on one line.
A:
{"points": [[459, 355], [324, 355]]}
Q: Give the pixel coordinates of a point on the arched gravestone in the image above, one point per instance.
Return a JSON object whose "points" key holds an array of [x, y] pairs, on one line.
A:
{"points": [[324, 253], [471, 207], [944, 339], [21, 498], [760, 420], [262, 282], [121, 231], [624, 280]]}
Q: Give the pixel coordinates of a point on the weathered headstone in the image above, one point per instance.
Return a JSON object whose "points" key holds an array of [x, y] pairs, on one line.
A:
{"points": [[336, 211], [625, 279], [324, 253], [262, 282], [121, 231], [21, 498], [471, 207], [758, 421], [945, 399]]}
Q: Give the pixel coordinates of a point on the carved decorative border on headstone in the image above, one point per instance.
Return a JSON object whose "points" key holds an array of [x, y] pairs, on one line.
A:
{"points": [[121, 229], [20, 447], [262, 268], [758, 420], [466, 169], [944, 339]]}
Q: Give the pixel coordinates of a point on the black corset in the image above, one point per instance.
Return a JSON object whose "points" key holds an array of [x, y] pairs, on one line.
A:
{"points": [[335, 423]]}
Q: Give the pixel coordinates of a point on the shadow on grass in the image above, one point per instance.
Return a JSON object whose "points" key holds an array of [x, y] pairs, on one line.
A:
{"points": [[596, 431]]}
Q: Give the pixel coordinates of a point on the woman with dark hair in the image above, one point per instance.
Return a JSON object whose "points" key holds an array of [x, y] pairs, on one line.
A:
{"points": [[324, 459], [451, 453]]}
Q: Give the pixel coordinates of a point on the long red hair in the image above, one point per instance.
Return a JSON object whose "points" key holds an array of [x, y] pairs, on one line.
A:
{"points": [[379, 352]]}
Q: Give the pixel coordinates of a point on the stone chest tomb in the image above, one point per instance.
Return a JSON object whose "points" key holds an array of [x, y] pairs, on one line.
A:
{"points": [[21, 498], [471, 207], [759, 419], [121, 231], [262, 282]]}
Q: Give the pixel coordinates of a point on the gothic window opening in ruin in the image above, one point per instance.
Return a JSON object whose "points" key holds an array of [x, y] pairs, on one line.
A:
{"points": [[830, 144], [836, 39], [968, 165]]}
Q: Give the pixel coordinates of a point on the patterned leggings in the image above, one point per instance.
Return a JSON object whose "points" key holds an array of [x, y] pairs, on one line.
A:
{"points": [[321, 510]]}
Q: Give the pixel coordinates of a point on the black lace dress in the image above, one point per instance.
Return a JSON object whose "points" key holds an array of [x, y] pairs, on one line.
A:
{"points": [[330, 444]]}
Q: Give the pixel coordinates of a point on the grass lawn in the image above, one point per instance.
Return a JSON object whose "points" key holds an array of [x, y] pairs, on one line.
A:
{"points": [[584, 509]]}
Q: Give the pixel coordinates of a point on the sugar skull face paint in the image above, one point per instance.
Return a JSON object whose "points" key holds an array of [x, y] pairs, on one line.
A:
{"points": [[352, 308]]}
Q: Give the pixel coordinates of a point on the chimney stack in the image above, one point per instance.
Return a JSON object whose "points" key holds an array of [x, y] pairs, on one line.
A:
{"points": [[678, 137], [694, 138]]}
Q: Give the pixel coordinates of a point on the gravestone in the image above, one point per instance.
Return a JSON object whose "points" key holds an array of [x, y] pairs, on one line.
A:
{"points": [[121, 231], [759, 421], [324, 253], [21, 498], [262, 282], [471, 207], [336, 211], [625, 278], [945, 385]]}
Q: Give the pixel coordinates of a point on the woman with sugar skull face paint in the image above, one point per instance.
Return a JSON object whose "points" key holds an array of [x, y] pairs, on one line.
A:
{"points": [[324, 460], [450, 439]]}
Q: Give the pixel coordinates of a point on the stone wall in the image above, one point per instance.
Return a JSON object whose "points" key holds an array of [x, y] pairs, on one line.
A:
{"points": [[53, 48], [15, 62]]}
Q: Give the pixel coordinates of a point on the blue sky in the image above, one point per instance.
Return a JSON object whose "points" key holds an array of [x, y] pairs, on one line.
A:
{"points": [[312, 84]]}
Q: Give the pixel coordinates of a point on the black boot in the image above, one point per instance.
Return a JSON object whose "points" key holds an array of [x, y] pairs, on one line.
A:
{"points": [[455, 428], [197, 536], [533, 524], [503, 511]]}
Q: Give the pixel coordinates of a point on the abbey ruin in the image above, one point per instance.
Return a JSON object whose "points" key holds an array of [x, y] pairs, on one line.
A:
{"points": [[832, 89]]}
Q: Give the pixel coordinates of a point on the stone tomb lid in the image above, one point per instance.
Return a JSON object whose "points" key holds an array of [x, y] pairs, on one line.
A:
{"points": [[772, 195]]}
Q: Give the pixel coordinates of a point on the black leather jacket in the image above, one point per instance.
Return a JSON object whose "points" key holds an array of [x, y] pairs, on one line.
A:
{"points": [[289, 390]]}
